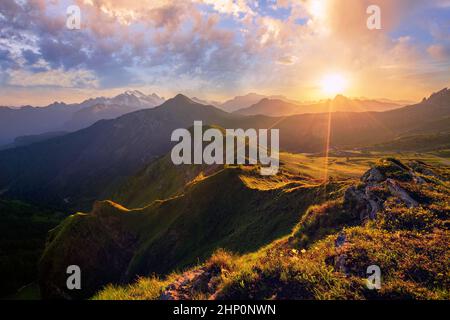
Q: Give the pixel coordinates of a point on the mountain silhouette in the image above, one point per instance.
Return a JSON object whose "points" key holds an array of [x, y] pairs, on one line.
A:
{"points": [[278, 107]]}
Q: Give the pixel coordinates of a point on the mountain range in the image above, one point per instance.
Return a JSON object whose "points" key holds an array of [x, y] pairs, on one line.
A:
{"points": [[62, 117], [89, 164], [279, 108], [246, 101], [76, 164], [31, 124]]}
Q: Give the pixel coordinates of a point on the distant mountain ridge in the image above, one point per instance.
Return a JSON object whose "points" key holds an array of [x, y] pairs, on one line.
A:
{"points": [[245, 101], [59, 116], [27, 140], [206, 102], [62, 117], [279, 108]]}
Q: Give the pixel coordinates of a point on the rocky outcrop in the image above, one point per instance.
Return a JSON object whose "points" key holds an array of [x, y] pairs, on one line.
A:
{"points": [[397, 191], [190, 284], [380, 183], [183, 287]]}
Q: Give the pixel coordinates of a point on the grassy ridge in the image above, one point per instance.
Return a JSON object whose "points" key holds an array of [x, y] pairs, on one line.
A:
{"points": [[234, 208], [327, 254]]}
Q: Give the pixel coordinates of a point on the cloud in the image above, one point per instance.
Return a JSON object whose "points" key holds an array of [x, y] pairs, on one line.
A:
{"points": [[236, 8], [333, 37], [220, 45], [54, 78], [439, 52]]}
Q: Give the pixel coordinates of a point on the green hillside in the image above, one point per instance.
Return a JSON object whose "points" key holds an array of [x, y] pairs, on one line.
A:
{"points": [[327, 254], [418, 143], [234, 208], [160, 179]]}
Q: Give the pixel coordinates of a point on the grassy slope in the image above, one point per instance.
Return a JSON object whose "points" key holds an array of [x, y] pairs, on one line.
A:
{"points": [[160, 179], [409, 244], [418, 143], [234, 208]]}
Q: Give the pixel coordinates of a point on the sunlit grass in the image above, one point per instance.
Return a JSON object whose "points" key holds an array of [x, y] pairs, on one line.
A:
{"points": [[409, 245]]}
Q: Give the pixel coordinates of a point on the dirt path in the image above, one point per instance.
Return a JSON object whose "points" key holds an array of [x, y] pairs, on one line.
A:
{"points": [[183, 288]]}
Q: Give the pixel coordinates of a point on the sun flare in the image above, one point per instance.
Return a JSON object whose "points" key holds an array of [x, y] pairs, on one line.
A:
{"points": [[333, 84]]}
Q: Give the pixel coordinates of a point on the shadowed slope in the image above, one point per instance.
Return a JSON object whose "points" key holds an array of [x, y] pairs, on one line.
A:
{"points": [[83, 166]]}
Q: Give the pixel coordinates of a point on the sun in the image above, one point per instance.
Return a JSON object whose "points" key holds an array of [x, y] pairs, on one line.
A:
{"points": [[317, 8], [333, 84]]}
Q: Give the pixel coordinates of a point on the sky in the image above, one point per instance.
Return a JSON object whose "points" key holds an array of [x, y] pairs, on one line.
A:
{"points": [[216, 49]]}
